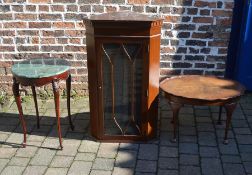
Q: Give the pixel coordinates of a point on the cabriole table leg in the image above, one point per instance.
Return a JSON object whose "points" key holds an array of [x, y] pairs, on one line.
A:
{"points": [[175, 110], [57, 109], [229, 109], [15, 89], [36, 104], [68, 87]]}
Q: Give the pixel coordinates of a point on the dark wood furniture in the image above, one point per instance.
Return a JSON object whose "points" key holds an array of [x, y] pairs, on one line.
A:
{"points": [[39, 72], [202, 91], [123, 50]]}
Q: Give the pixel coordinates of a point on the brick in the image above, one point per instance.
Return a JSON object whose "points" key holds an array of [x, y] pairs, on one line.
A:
{"points": [[39, 1], [138, 1], [194, 57], [195, 43], [85, 8], [113, 1], [7, 33], [27, 48], [43, 8], [15, 25], [72, 8], [138, 9], [7, 48], [25, 16], [4, 8], [151, 9], [224, 22], [205, 4], [89, 1], [17, 8], [39, 25], [172, 19], [218, 43], [110, 9], [28, 32], [50, 17], [205, 12], [222, 13], [54, 33], [5, 17], [192, 11], [57, 8], [63, 25], [31, 8], [184, 27], [203, 19]]}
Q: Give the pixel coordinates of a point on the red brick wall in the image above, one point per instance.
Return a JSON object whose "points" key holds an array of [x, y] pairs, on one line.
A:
{"points": [[195, 33]]}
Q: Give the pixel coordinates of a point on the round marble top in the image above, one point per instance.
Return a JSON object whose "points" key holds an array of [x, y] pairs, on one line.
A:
{"points": [[202, 87], [40, 68]]}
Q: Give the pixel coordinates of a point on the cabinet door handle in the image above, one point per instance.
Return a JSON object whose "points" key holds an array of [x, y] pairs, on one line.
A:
{"points": [[99, 87]]}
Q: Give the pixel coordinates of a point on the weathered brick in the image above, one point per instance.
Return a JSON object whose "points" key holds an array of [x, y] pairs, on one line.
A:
{"points": [[4, 16], [18, 8], [50, 17], [222, 13], [184, 27], [27, 48], [39, 25], [85, 8], [202, 35], [57, 8], [25, 16], [205, 4], [52, 48], [192, 11], [195, 43], [4, 8], [203, 19], [138, 1], [7, 48], [39, 1], [63, 25], [15, 25], [43, 8]]}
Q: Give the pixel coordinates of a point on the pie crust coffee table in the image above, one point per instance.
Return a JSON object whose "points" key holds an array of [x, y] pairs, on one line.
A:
{"points": [[201, 91], [39, 72]]}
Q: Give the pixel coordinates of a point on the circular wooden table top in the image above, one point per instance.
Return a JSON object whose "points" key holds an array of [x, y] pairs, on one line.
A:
{"points": [[201, 90]]}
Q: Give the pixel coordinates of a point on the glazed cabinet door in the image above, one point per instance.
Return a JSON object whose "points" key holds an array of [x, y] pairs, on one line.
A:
{"points": [[121, 79]]}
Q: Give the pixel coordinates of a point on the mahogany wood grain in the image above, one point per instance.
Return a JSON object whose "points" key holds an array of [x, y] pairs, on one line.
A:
{"points": [[202, 91]]}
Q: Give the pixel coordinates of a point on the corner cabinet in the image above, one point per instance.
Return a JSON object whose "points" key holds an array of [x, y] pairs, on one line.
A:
{"points": [[123, 52]]}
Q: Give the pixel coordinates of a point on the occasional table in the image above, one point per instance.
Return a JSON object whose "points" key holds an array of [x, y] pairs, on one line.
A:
{"points": [[202, 91], [39, 72]]}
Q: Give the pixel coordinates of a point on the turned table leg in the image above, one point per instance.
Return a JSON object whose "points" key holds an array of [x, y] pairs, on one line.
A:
{"points": [[15, 89], [68, 87], [36, 104], [57, 109], [229, 109], [175, 109]]}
